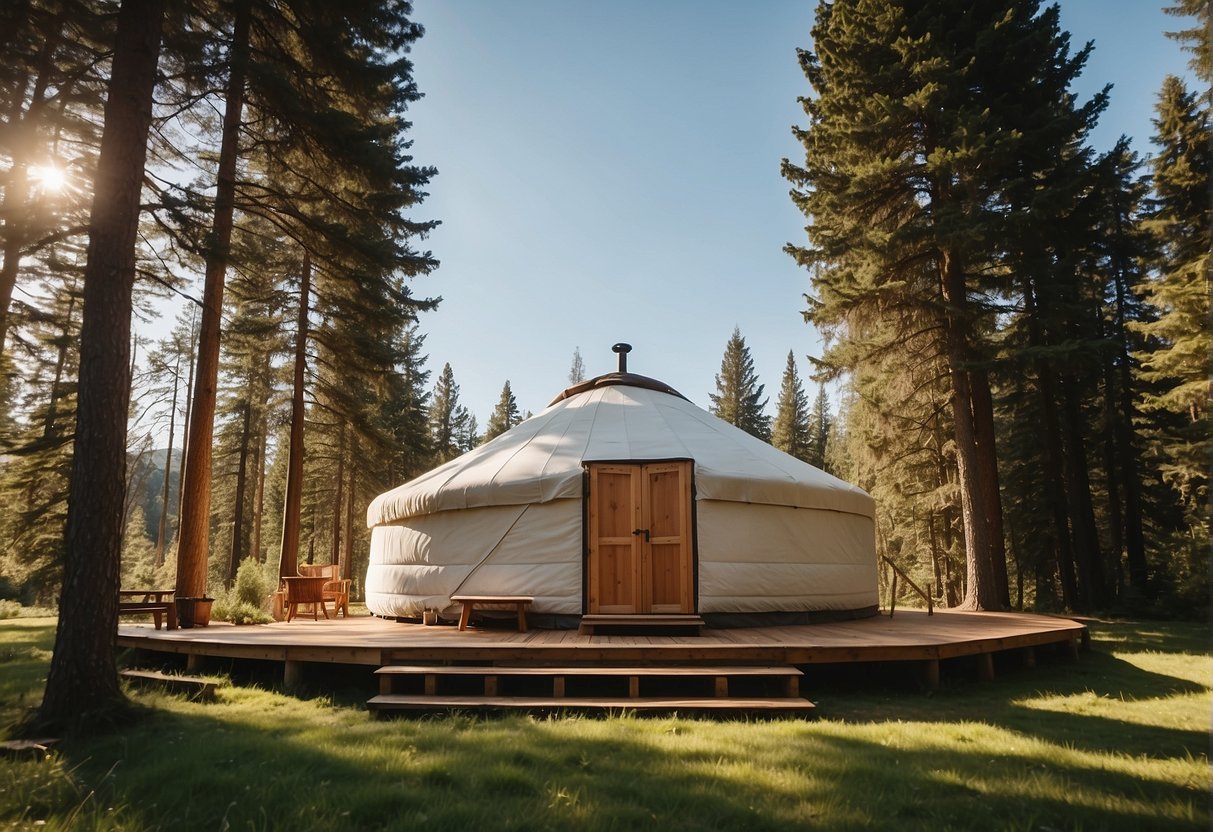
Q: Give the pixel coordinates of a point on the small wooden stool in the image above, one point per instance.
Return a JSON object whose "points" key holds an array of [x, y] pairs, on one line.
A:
{"points": [[520, 602]]}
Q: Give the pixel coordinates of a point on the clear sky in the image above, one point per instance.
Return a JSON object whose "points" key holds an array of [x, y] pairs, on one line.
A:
{"points": [[609, 171]]}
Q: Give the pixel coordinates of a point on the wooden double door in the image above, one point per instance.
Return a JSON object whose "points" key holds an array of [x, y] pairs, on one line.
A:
{"points": [[641, 550]]}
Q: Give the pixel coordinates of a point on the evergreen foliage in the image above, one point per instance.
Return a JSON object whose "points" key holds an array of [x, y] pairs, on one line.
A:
{"points": [[452, 428], [792, 431], [577, 369], [504, 416], [945, 182], [738, 398], [1176, 362]]}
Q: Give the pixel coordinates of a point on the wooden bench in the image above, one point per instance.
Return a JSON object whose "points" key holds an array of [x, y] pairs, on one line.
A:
{"points": [[520, 603], [156, 601], [194, 687]]}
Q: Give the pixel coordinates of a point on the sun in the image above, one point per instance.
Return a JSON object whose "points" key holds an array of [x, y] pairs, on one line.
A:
{"points": [[50, 178]]}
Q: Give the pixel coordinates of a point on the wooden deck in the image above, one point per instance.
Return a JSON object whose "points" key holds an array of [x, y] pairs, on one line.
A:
{"points": [[910, 635]]}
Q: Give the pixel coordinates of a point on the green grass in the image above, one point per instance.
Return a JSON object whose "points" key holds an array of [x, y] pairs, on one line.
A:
{"points": [[1117, 740]]}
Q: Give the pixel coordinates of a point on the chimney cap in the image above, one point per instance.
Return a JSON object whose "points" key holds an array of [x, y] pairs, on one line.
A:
{"points": [[622, 348]]}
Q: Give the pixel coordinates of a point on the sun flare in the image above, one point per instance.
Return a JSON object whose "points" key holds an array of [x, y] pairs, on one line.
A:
{"points": [[48, 177]]}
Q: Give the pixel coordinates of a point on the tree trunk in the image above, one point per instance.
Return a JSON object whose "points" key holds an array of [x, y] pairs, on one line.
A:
{"points": [[50, 423], [162, 530], [1126, 441], [192, 552], [338, 499], [1116, 519], [288, 564], [347, 561], [238, 510], [83, 678], [185, 425], [983, 422], [981, 584], [1088, 556], [259, 497]]}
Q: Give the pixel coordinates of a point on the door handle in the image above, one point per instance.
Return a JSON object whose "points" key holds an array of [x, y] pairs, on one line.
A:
{"points": [[645, 532]]}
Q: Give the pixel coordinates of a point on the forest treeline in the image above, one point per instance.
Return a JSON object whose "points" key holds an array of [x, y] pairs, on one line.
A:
{"points": [[1018, 324], [1021, 323]]}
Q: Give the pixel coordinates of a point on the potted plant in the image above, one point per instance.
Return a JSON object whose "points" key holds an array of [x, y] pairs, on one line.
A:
{"points": [[194, 611]]}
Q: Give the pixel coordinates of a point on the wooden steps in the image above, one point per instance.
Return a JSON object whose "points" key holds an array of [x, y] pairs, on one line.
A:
{"points": [[683, 625], [590, 687], [766, 705], [195, 687]]}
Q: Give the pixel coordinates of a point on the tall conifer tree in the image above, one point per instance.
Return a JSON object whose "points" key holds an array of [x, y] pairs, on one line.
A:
{"points": [[738, 398], [792, 430], [504, 416]]}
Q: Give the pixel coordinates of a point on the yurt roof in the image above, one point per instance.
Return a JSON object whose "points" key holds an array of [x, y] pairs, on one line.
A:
{"points": [[620, 417]]}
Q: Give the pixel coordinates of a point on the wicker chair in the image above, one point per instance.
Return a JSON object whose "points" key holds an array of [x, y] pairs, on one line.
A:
{"points": [[303, 590], [336, 589]]}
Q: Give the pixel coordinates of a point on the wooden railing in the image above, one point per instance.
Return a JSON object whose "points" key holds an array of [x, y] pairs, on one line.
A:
{"points": [[893, 588]]}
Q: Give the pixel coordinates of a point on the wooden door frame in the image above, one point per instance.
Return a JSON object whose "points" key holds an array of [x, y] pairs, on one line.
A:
{"points": [[585, 524]]}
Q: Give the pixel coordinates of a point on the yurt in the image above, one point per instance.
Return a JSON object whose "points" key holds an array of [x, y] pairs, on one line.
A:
{"points": [[623, 497]]}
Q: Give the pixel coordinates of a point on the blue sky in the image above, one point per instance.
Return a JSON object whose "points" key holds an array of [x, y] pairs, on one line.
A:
{"points": [[609, 171]]}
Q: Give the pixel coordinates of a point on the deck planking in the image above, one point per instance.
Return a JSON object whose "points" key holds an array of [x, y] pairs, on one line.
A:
{"points": [[907, 636]]}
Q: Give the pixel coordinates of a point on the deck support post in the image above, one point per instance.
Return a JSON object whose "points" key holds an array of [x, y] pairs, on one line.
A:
{"points": [[985, 667], [193, 663], [292, 673], [1029, 656], [1070, 646], [930, 674]]}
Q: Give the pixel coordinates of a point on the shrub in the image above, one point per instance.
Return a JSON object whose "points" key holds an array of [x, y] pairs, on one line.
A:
{"points": [[242, 613], [245, 602], [252, 584], [9, 609]]}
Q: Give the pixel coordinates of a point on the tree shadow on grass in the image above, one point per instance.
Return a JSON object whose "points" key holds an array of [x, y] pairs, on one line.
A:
{"points": [[1006, 701], [1156, 637], [307, 769]]}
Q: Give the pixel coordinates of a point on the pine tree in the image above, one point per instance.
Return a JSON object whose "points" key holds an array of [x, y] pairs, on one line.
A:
{"points": [[738, 398], [404, 408], [577, 370], [821, 424], [51, 95], [322, 90], [792, 431], [83, 678], [504, 416], [1180, 222], [446, 417], [930, 120]]}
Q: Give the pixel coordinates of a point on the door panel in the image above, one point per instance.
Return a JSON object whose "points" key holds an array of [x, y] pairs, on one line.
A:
{"points": [[615, 492], [640, 548]]}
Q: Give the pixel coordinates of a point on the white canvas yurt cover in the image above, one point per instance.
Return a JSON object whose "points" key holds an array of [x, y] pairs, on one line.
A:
{"points": [[622, 496]]}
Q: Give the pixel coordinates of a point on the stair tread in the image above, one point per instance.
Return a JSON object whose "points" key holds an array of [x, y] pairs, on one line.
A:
{"points": [[631, 618], [656, 670], [406, 701]]}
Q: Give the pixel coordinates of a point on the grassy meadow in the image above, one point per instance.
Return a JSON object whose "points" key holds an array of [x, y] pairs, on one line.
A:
{"points": [[1117, 740]]}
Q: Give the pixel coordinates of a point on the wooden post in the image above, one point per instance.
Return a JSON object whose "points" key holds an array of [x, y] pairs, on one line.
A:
{"points": [[193, 663], [985, 667], [1029, 656], [292, 673], [931, 674]]}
